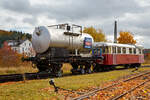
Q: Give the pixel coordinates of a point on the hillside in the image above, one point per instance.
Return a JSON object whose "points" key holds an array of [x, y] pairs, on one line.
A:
{"points": [[13, 35]]}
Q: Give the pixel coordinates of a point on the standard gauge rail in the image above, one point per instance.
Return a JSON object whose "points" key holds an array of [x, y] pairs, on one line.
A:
{"points": [[29, 76], [114, 85], [22, 77]]}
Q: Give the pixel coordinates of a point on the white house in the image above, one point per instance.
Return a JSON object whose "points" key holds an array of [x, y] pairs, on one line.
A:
{"points": [[22, 47]]}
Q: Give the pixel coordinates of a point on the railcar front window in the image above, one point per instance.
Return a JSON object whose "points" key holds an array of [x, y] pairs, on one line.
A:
{"points": [[95, 51]]}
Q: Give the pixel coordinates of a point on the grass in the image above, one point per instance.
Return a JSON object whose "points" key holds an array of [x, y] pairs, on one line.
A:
{"points": [[37, 89], [17, 70], [28, 69]]}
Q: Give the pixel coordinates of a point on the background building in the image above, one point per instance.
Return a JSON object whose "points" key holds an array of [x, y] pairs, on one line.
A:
{"points": [[20, 46]]}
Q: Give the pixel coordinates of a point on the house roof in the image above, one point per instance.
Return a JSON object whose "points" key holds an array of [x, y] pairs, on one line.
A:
{"points": [[15, 42]]}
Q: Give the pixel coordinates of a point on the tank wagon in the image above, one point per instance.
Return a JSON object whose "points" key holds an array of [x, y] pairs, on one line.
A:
{"points": [[114, 54], [63, 43]]}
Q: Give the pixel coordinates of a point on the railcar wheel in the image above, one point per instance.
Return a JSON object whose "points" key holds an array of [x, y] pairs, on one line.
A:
{"points": [[127, 66], [138, 65]]}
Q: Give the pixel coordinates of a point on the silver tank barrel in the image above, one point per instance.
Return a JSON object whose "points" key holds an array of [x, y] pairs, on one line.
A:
{"points": [[44, 37]]}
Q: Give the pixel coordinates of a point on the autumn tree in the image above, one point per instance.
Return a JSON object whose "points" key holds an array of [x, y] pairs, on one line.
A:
{"points": [[9, 58], [98, 34], [126, 38]]}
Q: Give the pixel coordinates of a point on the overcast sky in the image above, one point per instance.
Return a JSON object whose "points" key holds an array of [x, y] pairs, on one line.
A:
{"points": [[132, 15]]}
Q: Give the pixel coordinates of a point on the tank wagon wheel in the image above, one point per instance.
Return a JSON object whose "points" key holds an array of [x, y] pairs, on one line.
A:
{"points": [[95, 67], [89, 71], [59, 73], [56, 70], [88, 68], [82, 71], [74, 68]]}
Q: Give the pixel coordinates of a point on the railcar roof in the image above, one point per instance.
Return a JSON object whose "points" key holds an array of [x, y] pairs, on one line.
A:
{"points": [[116, 44]]}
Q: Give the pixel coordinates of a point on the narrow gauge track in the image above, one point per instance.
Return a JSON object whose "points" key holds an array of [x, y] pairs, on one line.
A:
{"points": [[26, 76], [92, 93], [132, 89], [32, 76]]}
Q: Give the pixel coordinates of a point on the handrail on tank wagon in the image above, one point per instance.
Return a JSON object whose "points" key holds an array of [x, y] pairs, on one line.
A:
{"points": [[68, 27], [58, 25], [77, 26]]}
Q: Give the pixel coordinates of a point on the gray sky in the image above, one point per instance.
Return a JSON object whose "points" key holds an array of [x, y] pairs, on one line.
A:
{"points": [[132, 15]]}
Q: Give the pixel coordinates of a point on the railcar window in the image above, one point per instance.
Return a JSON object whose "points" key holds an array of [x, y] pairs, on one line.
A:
{"points": [[114, 49], [106, 49], [119, 50], [124, 50], [139, 51], [134, 50], [109, 49], [130, 50]]}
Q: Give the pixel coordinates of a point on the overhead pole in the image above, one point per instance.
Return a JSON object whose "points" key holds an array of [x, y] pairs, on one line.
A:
{"points": [[115, 32]]}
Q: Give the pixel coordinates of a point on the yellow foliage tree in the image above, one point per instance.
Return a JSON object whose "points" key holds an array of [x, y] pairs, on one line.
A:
{"points": [[96, 34], [126, 38]]}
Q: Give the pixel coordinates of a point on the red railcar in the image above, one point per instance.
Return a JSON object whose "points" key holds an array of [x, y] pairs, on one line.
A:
{"points": [[118, 54]]}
